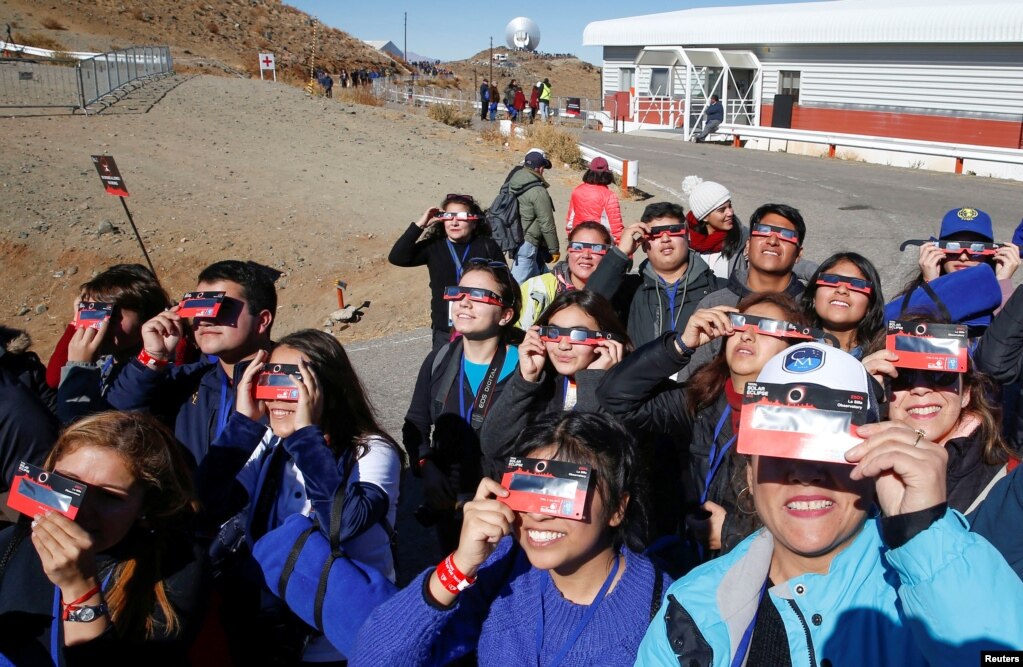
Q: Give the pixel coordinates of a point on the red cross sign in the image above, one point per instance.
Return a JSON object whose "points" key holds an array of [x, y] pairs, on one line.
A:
{"points": [[266, 61]]}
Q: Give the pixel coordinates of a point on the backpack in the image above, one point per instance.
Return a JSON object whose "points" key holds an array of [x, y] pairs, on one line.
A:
{"points": [[503, 217]]}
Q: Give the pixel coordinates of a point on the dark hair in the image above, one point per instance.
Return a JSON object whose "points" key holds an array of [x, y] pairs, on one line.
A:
{"points": [[733, 237], [663, 209], [618, 474], [510, 292], [981, 404], [707, 384], [784, 210], [348, 416], [256, 281], [598, 177], [593, 227], [130, 286], [873, 323], [594, 305], [156, 461], [481, 228]]}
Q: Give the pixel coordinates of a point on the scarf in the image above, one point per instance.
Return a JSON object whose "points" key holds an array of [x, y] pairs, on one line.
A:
{"points": [[704, 243], [735, 401]]}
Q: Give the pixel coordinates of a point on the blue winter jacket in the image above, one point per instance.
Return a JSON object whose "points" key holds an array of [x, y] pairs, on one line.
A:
{"points": [[939, 599], [197, 398]]}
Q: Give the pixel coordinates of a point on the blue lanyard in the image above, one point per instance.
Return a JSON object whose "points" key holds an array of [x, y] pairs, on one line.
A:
{"points": [[716, 457], [671, 300], [226, 403], [104, 373], [57, 621], [747, 636], [454, 258], [545, 578]]}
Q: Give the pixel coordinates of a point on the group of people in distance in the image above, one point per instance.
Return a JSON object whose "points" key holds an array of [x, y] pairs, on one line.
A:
{"points": [[514, 100], [604, 478]]}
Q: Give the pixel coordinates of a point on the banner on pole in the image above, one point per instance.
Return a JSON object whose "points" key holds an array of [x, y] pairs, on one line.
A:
{"points": [[266, 61], [111, 177]]}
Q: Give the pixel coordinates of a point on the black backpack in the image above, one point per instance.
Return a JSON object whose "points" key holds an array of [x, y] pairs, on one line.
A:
{"points": [[503, 217]]}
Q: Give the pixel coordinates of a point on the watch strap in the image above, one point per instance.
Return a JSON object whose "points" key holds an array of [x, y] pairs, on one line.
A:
{"points": [[86, 613]]}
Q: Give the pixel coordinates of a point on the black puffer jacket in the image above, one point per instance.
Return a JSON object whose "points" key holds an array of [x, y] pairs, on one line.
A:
{"points": [[1000, 355], [637, 392], [967, 474]]}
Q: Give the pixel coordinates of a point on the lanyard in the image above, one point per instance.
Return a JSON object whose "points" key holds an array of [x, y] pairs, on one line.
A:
{"points": [[716, 457], [743, 648], [672, 317], [478, 408], [57, 621], [104, 373], [454, 258], [226, 403], [573, 637]]}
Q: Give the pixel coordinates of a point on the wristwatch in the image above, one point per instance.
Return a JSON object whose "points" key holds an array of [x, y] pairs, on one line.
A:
{"points": [[86, 613]]}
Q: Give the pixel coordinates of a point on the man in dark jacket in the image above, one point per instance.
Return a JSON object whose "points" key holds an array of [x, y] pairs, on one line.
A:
{"points": [[777, 232], [198, 398], [670, 282], [715, 116], [484, 99], [536, 211], [1000, 355]]}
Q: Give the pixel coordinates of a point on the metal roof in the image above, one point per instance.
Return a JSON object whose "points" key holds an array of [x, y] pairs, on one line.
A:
{"points": [[832, 22]]}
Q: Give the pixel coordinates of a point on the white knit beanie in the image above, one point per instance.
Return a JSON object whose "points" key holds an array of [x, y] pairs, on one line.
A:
{"points": [[704, 196]]}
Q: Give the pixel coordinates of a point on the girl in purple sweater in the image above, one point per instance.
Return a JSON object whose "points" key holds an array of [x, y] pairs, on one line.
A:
{"points": [[530, 587]]}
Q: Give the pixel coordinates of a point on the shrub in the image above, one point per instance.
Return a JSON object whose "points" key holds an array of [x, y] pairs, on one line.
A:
{"points": [[561, 146], [449, 115], [491, 134], [38, 41], [358, 95], [53, 24]]}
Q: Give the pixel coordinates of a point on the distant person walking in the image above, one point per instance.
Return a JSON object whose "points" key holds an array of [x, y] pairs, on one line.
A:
{"points": [[536, 211], [519, 102], [545, 99], [594, 201], [715, 116], [484, 98], [493, 95], [534, 100], [509, 100], [327, 81]]}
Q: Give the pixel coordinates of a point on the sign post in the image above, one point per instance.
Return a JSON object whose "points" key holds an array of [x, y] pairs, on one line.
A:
{"points": [[266, 62], [114, 185]]}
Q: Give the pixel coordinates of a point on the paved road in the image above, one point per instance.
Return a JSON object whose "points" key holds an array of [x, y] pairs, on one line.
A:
{"points": [[848, 205]]}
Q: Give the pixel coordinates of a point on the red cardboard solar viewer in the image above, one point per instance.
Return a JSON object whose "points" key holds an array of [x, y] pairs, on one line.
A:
{"points": [[928, 346], [547, 487]]}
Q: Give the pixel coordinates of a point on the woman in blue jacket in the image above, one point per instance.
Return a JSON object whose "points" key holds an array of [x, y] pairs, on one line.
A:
{"points": [[828, 580], [535, 588]]}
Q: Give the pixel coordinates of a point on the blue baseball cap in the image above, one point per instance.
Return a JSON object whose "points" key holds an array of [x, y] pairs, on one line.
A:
{"points": [[967, 219]]}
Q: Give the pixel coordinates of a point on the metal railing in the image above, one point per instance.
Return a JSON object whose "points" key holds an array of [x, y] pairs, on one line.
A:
{"points": [[77, 84]]}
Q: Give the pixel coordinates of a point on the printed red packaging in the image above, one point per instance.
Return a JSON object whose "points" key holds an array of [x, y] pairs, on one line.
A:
{"points": [[201, 304], [34, 491], [92, 314], [276, 384], [557, 488], [928, 346]]}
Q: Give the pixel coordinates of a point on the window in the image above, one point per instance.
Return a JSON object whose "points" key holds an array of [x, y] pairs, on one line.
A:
{"points": [[659, 82], [626, 76], [788, 84]]}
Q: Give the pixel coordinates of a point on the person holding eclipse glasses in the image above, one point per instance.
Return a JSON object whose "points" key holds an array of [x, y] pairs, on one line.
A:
{"points": [[703, 415], [561, 360], [442, 239]]}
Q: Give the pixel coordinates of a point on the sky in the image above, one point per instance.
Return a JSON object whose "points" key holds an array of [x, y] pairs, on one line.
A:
{"points": [[454, 30]]}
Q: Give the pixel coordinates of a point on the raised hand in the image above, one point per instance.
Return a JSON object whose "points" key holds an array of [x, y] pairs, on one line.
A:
{"points": [[160, 335], [1006, 261], [86, 342], [706, 325], [930, 260], [609, 353], [310, 397], [245, 396], [532, 355]]}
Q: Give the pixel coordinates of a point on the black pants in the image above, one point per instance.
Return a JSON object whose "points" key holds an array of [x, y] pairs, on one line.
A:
{"points": [[483, 109]]}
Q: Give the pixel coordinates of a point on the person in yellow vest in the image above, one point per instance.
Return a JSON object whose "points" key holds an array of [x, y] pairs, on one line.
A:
{"points": [[545, 100]]}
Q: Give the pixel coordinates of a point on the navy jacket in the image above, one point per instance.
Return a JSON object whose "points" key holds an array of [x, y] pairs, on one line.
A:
{"points": [[191, 397], [999, 517]]}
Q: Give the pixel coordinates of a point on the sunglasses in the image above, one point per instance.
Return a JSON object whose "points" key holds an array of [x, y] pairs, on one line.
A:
{"points": [[595, 248], [783, 233], [464, 199], [670, 230], [576, 335], [457, 215], [910, 378], [775, 328], [852, 284], [972, 248], [481, 262], [477, 294]]}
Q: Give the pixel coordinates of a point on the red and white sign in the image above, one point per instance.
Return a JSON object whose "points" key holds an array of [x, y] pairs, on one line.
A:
{"points": [[266, 61]]}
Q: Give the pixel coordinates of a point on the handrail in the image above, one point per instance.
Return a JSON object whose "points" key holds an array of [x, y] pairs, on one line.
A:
{"points": [[833, 139]]}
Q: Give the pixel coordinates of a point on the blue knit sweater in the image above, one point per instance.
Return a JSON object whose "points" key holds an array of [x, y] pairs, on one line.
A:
{"points": [[497, 619]]}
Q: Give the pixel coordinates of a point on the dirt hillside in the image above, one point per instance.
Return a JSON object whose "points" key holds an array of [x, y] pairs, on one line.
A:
{"points": [[569, 76]]}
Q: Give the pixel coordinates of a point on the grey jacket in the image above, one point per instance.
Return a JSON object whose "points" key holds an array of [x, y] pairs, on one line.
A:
{"points": [[536, 210]]}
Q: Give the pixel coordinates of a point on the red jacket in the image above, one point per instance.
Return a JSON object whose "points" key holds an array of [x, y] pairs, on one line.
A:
{"points": [[597, 203], [520, 100]]}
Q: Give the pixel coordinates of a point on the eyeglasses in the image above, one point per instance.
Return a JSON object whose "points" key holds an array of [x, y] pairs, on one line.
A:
{"points": [[852, 284], [481, 262], [595, 248], [576, 335], [670, 230], [910, 378], [464, 199], [782, 233], [775, 328], [972, 248], [477, 294]]}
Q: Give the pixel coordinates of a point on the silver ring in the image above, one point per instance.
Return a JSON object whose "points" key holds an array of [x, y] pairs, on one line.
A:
{"points": [[919, 434]]}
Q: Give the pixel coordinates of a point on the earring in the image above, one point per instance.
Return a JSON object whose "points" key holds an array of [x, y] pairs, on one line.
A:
{"points": [[749, 502]]}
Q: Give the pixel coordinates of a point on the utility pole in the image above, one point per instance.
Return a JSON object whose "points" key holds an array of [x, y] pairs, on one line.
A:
{"points": [[404, 50], [491, 59]]}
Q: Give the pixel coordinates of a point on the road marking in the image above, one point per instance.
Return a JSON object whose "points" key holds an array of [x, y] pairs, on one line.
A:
{"points": [[387, 343]]}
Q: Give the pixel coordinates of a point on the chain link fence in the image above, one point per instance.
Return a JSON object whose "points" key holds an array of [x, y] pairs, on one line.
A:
{"points": [[77, 84]]}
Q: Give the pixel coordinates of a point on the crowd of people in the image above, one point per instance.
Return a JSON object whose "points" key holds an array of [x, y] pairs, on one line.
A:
{"points": [[514, 101], [193, 489]]}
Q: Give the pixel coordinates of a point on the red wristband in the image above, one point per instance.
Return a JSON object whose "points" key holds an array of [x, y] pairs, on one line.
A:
{"points": [[150, 361], [451, 578], [67, 607]]}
